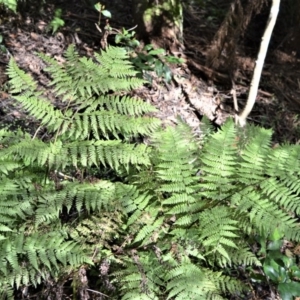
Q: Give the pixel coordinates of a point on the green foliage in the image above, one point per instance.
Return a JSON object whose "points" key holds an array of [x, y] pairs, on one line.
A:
{"points": [[10, 4], [280, 269], [206, 204], [57, 21], [167, 220], [93, 126], [101, 9], [150, 59], [127, 38]]}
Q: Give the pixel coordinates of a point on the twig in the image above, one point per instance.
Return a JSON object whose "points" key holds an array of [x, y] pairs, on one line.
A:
{"points": [[96, 292]]}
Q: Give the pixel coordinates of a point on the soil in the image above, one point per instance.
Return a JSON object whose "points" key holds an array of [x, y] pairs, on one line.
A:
{"points": [[195, 91]]}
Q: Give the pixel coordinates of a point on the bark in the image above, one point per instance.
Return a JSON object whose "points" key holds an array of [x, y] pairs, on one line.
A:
{"points": [[159, 22]]}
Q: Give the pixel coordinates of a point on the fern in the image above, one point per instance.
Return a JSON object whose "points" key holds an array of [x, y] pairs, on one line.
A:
{"points": [[211, 199], [165, 220], [91, 125], [46, 251]]}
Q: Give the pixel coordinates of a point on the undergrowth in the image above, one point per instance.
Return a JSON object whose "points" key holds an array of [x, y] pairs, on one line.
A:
{"points": [[91, 206]]}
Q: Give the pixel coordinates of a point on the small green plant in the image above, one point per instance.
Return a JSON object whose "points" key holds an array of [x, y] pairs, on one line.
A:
{"points": [[127, 38], [150, 59], [147, 60], [102, 11], [57, 21], [279, 269]]}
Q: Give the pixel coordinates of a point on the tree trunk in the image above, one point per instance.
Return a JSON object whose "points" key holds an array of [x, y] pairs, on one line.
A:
{"points": [[291, 44], [159, 23]]}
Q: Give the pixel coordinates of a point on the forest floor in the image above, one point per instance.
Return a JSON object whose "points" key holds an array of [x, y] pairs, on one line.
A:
{"points": [[195, 90], [191, 93]]}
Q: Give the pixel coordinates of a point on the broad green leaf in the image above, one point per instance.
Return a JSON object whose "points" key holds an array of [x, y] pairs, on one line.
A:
{"points": [[106, 13], [276, 235], [98, 6], [157, 52], [288, 261], [295, 272], [287, 291], [274, 271], [174, 60]]}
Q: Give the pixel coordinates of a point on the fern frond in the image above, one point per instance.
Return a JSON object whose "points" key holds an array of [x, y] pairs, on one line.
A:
{"points": [[116, 62], [105, 123], [6, 291], [19, 80], [48, 250], [226, 284], [265, 214], [187, 281], [42, 110], [142, 276], [242, 256], [61, 81], [219, 162], [176, 166], [219, 231], [254, 156]]}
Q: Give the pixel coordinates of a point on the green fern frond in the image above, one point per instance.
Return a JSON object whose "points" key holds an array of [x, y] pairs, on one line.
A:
{"points": [[219, 162], [48, 250], [85, 153], [105, 123], [112, 71], [61, 81], [142, 276], [42, 110], [242, 256], [172, 214], [187, 281], [254, 156], [281, 194], [218, 231], [124, 105], [262, 212], [226, 284], [97, 197], [116, 62], [97, 231], [6, 291], [19, 80], [177, 164]]}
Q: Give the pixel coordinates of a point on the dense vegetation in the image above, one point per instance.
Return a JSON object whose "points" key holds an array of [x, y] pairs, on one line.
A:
{"points": [[109, 202]]}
